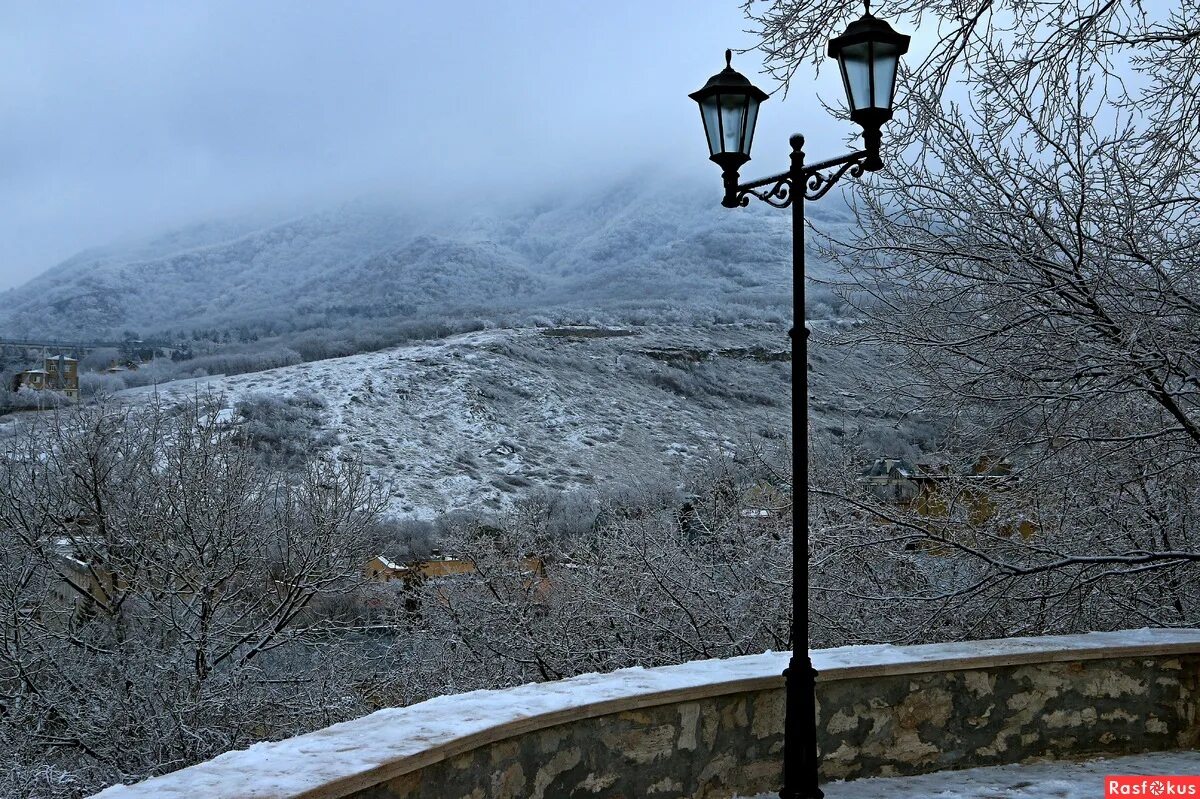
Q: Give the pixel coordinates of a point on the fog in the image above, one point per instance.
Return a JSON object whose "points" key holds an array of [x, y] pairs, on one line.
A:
{"points": [[119, 120]]}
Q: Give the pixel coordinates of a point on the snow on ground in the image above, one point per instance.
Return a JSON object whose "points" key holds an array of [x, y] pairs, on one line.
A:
{"points": [[477, 419], [1054, 780]]}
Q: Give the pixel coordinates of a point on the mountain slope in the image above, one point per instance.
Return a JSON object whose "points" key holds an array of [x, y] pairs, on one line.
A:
{"points": [[215, 282], [617, 246], [478, 419]]}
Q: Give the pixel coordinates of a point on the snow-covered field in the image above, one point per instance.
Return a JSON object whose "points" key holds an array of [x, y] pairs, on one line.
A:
{"points": [[477, 419], [1028, 781]]}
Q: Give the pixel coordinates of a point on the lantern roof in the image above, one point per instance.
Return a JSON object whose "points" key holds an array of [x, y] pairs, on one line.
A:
{"points": [[730, 81], [868, 28]]}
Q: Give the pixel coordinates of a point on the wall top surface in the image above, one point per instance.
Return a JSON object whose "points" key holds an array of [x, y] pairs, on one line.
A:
{"points": [[344, 757]]}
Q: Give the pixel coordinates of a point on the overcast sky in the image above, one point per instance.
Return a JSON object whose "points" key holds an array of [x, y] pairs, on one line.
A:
{"points": [[120, 119]]}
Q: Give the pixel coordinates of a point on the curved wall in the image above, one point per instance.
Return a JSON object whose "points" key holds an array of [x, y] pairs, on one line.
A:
{"points": [[714, 728]]}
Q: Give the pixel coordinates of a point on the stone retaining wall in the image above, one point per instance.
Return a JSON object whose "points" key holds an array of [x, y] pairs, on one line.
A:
{"points": [[711, 748], [913, 724], [714, 728]]}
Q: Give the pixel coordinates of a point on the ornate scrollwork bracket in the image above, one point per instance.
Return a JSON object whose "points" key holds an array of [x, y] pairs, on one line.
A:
{"points": [[779, 193], [818, 183], [816, 180]]}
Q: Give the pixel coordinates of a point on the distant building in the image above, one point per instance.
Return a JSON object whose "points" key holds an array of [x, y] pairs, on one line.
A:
{"points": [[936, 490], [116, 367], [381, 569], [83, 583], [33, 378], [412, 575], [896, 480], [59, 373]]}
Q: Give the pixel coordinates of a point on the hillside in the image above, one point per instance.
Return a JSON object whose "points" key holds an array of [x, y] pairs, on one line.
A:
{"points": [[476, 420], [621, 246]]}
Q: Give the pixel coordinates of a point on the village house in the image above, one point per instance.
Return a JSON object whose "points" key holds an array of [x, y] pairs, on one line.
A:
{"points": [[381, 569], [59, 373], [896, 480], [934, 489], [408, 577], [82, 584]]}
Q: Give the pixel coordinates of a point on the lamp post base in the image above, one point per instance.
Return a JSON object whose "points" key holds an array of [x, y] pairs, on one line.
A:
{"points": [[801, 777]]}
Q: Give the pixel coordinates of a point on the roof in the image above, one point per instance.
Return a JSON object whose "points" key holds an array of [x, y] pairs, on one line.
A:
{"points": [[882, 467], [387, 564]]}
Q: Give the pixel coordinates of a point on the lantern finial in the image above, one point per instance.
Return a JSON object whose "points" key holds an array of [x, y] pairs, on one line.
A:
{"points": [[728, 59], [867, 4]]}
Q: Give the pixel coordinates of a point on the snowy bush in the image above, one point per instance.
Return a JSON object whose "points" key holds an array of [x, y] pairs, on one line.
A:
{"points": [[95, 384], [285, 430]]}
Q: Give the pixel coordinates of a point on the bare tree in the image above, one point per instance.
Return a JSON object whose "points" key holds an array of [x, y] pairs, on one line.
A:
{"points": [[1031, 254], [157, 594], [661, 579]]}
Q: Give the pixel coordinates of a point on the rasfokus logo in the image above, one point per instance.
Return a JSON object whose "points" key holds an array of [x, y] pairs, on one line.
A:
{"points": [[1119, 785]]}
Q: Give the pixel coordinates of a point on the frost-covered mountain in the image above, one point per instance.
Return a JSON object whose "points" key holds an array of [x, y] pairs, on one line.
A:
{"points": [[623, 245], [216, 273]]}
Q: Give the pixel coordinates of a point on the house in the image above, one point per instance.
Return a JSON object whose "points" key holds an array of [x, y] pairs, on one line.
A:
{"points": [[896, 480], [59, 373], [936, 490], [62, 374], [407, 577], [83, 584], [33, 378], [380, 569], [117, 367], [442, 566]]}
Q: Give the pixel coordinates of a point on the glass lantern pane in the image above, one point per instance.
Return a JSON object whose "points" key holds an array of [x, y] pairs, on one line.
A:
{"points": [[751, 119], [733, 121], [856, 73], [886, 58], [712, 123]]}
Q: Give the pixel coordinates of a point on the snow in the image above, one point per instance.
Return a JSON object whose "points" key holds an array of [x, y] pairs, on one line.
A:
{"points": [[285, 768], [1055, 780], [928, 657], [474, 420], [388, 564]]}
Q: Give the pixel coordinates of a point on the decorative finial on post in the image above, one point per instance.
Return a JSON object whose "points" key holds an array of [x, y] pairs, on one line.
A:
{"points": [[867, 3], [728, 59]]}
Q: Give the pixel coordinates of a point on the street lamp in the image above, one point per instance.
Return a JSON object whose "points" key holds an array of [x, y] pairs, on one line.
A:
{"points": [[729, 109], [867, 55]]}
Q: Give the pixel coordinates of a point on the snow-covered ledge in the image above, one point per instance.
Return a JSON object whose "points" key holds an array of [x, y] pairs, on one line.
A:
{"points": [[715, 726]]}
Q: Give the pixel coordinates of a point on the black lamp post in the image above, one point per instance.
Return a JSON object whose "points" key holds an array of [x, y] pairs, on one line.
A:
{"points": [[867, 54]]}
